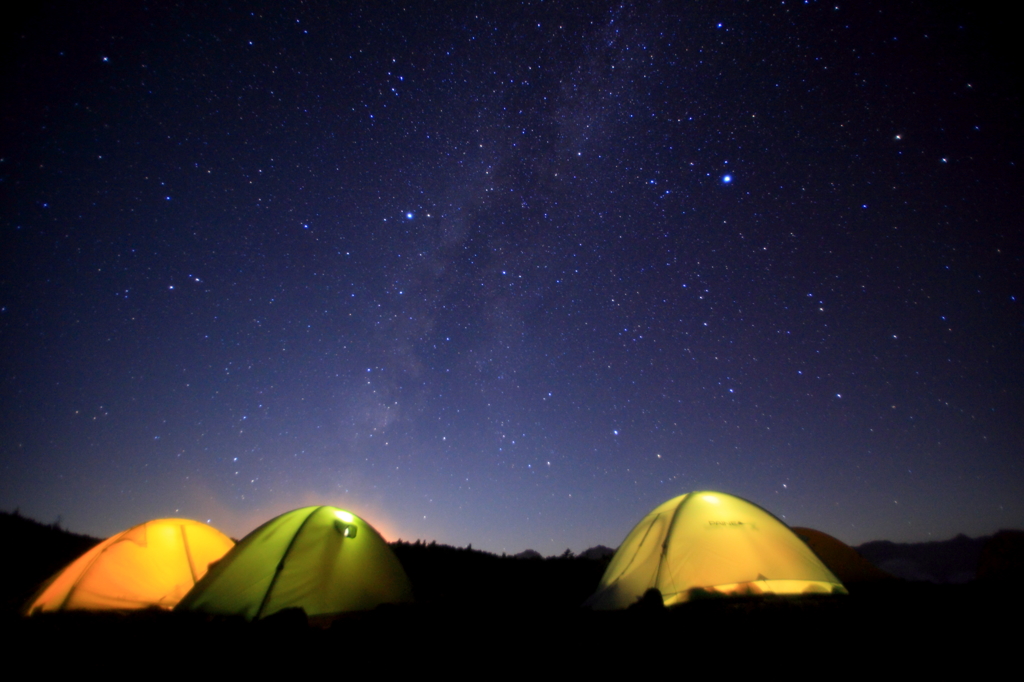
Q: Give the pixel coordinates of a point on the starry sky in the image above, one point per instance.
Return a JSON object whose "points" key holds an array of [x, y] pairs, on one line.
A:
{"points": [[512, 274]]}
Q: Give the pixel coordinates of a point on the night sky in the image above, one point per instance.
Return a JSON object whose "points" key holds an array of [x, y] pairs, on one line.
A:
{"points": [[512, 274]]}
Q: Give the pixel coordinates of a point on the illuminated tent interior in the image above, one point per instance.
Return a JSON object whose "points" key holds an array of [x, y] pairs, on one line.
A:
{"points": [[151, 565], [322, 559], [708, 543]]}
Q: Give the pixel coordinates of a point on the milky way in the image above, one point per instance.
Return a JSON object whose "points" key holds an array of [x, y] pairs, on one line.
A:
{"points": [[512, 274]]}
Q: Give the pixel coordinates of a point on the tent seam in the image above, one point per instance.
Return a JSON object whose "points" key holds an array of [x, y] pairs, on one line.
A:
{"points": [[280, 564], [81, 576], [633, 558], [668, 536], [188, 553]]}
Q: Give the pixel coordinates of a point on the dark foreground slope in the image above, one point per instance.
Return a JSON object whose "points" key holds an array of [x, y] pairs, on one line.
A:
{"points": [[33, 552]]}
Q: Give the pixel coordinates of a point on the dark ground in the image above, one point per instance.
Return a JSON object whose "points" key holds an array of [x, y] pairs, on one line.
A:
{"points": [[476, 610], [911, 626]]}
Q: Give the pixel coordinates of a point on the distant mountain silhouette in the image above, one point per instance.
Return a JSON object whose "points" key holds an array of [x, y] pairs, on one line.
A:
{"points": [[597, 553], [945, 562], [528, 554]]}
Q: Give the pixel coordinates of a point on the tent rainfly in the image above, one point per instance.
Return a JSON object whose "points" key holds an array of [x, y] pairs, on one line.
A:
{"points": [[706, 544], [151, 565], [321, 559]]}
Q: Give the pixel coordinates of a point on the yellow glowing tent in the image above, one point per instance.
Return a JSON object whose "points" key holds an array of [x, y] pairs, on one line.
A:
{"points": [[706, 543], [321, 559], [151, 565]]}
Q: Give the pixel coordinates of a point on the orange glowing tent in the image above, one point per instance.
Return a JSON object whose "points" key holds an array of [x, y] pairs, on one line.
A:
{"points": [[151, 565]]}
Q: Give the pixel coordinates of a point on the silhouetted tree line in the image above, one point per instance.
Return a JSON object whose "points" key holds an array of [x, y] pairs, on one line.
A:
{"points": [[465, 578]]}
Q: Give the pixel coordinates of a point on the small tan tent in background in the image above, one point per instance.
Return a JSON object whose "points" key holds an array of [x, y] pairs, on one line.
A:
{"points": [[151, 565], [841, 559], [710, 543], [323, 560]]}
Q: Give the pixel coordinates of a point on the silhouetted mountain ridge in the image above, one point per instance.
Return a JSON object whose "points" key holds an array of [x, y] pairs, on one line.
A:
{"points": [[952, 561]]}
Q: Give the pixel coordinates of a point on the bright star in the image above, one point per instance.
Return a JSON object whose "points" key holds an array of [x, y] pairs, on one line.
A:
{"points": [[727, 179], [409, 215]]}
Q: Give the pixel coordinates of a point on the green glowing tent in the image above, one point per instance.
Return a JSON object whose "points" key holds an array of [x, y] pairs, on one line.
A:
{"points": [[322, 559], [707, 543]]}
